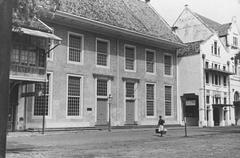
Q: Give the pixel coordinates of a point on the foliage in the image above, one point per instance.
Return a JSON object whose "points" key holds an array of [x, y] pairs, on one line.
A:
{"points": [[25, 11]]}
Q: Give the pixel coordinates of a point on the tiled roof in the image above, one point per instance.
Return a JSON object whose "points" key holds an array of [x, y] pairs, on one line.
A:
{"points": [[222, 29], [31, 24], [134, 15], [210, 23], [191, 49]]}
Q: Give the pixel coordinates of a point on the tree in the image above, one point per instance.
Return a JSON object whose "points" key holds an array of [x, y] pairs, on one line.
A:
{"points": [[24, 12]]}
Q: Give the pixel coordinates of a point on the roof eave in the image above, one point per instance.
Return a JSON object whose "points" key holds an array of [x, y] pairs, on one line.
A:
{"points": [[172, 44]]}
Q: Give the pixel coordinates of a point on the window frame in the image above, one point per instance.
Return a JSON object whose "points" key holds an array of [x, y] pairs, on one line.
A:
{"points": [[154, 100], [154, 61], [135, 57], [108, 52], [82, 51], [81, 97], [166, 75], [168, 116], [50, 95]]}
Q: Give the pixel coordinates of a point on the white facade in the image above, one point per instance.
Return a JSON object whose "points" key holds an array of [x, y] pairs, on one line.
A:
{"points": [[204, 71]]}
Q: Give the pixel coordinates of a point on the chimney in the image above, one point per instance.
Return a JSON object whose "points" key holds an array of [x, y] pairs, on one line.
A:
{"points": [[186, 5], [147, 1]]}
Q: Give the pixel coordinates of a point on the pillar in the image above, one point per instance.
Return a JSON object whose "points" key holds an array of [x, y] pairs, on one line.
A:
{"points": [[210, 117]]}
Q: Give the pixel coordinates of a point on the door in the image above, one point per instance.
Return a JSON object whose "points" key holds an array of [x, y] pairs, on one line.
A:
{"points": [[102, 111], [216, 116], [130, 111]]}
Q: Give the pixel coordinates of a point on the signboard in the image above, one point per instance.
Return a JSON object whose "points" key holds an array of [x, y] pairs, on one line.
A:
{"points": [[190, 102]]}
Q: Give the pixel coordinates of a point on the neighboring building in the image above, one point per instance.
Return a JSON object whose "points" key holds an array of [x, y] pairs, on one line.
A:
{"points": [[30, 44], [206, 66], [122, 49]]}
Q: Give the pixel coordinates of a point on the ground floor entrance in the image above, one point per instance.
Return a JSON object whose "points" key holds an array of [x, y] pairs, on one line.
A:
{"points": [[130, 112], [102, 111], [216, 116], [190, 106]]}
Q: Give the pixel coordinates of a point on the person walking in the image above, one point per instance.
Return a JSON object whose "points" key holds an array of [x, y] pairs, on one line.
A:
{"points": [[161, 125]]}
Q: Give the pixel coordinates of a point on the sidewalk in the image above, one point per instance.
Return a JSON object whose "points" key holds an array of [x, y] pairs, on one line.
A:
{"points": [[84, 130]]}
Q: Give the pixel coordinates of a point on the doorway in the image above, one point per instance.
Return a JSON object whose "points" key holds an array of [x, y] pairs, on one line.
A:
{"points": [[216, 116], [130, 112], [102, 109]]}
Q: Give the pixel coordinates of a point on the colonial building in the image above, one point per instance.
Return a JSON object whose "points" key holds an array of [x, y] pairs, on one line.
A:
{"points": [[27, 67], [206, 65], [117, 61]]}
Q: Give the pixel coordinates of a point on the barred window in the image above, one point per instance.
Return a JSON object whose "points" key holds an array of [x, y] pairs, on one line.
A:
{"points": [[101, 87], [129, 89], [41, 100], [102, 53], [150, 61], [74, 96], [75, 48], [150, 99], [167, 65], [129, 58], [168, 100]]}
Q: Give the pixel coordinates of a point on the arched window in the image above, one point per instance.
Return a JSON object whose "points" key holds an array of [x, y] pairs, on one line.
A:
{"points": [[236, 96]]}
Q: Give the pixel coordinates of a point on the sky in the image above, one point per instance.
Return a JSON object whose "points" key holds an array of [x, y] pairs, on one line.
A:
{"points": [[220, 11]]}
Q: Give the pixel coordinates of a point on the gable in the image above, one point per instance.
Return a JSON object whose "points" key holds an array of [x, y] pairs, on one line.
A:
{"points": [[190, 28]]}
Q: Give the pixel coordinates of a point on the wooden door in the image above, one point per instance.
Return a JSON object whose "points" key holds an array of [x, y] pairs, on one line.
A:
{"points": [[102, 111], [130, 111]]}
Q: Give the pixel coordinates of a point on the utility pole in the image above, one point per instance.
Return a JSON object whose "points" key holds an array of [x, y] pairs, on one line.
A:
{"points": [[109, 112], [5, 48]]}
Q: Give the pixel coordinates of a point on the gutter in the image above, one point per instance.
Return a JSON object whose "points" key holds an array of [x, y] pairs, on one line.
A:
{"points": [[118, 29]]}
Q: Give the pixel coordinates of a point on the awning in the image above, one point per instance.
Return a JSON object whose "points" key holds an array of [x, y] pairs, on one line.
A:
{"points": [[221, 105], [38, 33]]}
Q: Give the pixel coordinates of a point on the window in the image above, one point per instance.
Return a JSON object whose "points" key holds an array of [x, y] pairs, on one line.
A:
{"points": [[102, 88], [41, 100], [219, 51], [207, 64], [102, 52], [215, 47], [150, 98], [207, 77], [75, 47], [224, 80], [212, 78], [219, 80], [207, 99], [225, 100], [130, 58], [224, 68], [216, 79], [74, 96], [150, 55], [129, 89], [168, 100], [235, 41], [167, 65]]}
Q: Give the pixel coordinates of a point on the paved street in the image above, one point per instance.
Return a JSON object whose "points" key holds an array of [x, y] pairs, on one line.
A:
{"points": [[201, 143]]}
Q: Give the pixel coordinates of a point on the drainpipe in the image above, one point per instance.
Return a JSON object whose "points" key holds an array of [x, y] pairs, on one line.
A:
{"points": [[204, 95], [229, 96]]}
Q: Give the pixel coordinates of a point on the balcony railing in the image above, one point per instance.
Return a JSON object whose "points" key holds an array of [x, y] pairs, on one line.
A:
{"points": [[213, 69], [19, 68]]}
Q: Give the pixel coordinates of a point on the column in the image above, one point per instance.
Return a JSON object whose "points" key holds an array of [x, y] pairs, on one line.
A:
{"points": [[210, 116], [227, 120]]}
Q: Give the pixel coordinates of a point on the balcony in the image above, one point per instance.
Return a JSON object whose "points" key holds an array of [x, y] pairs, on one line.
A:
{"points": [[218, 70], [28, 61]]}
